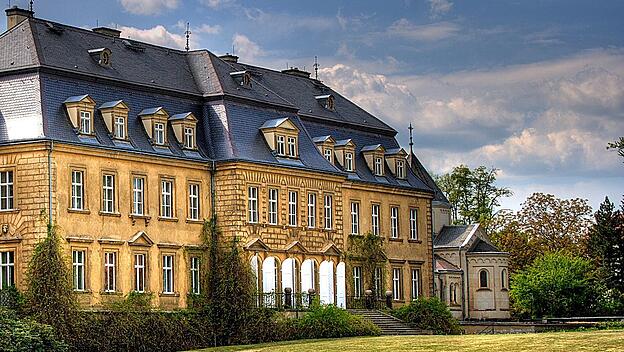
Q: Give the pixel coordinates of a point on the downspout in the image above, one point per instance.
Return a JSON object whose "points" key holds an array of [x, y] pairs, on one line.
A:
{"points": [[432, 253], [465, 271], [213, 195], [50, 147]]}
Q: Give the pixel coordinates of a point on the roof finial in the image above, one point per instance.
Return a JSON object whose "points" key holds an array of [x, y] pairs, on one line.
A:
{"points": [[188, 35], [411, 143], [30, 7], [316, 67]]}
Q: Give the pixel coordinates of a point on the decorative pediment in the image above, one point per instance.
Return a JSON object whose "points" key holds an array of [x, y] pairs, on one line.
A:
{"points": [[140, 239], [331, 250], [295, 247], [256, 245], [78, 104], [281, 123]]}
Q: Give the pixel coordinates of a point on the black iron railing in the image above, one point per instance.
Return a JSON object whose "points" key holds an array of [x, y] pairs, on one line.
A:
{"points": [[284, 301], [365, 302]]}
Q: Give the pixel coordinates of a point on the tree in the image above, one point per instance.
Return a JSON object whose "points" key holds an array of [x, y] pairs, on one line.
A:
{"points": [[472, 193], [605, 244], [617, 145], [505, 233], [556, 285], [367, 250]]}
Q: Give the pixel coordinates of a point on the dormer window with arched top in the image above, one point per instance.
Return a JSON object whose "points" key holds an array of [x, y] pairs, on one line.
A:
{"points": [[243, 78], [327, 101], [115, 115], [80, 110], [326, 144], [345, 154], [282, 137], [155, 124], [374, 156], [397, 162], [102, 56], [183, 126]]}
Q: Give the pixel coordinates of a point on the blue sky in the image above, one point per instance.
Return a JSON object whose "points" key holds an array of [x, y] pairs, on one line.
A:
{"points": [[534, 88]]}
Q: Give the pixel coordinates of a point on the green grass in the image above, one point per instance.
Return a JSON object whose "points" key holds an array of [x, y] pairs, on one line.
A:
{"points": [[603, 341]]}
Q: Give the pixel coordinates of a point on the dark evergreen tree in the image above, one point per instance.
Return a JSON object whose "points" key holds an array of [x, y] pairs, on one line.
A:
{"points": [[606, 244]]}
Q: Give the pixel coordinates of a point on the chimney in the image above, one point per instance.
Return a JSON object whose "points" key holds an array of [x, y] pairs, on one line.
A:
{"points": [[229, 58], [107, 31], [15, 16], [296, 72]]}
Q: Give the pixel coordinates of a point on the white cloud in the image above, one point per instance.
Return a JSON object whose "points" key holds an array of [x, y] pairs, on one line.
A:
{"points": [[148, 7], [427, 32], [275, 22], [246, 48], [158, 35], [439, 7], [217, 3]]}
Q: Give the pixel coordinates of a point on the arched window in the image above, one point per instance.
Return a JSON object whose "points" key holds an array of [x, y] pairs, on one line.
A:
{"points": [[453, 294], [504, 278], [483, 279]]}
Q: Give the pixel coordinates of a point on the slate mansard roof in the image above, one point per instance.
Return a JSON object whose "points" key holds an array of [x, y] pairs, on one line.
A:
{"points": [[230, 115], [465, 237]]}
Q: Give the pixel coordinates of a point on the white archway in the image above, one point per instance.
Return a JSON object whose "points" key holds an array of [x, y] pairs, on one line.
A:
{"points": [[253, 262], [289, 275], [269, 275], [341, 287], [308, 271], [326, 282]]}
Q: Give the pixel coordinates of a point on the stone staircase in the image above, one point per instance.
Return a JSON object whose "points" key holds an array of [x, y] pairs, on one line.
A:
{"points": [[388, 324]]}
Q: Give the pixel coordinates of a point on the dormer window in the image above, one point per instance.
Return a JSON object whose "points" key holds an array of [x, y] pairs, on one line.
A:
{"points": [[159, 133], [374, 156], [115, 115], [328, 155], [281, 136], [325, 145], [85, 122], [396, 162], [348, 166], [344, 151], [379, 166], [120, 127], [400, 169], [327, 101], [183, 126], [102, 56], [243, 78], [189, 137]]}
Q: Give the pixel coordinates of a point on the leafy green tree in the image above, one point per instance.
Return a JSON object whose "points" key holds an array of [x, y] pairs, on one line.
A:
{"points": [[368, 251], [473, 193], [556, 285]]}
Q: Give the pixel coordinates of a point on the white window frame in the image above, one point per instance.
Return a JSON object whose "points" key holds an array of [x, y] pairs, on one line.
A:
{"points": [[375, 219], [394, 222], [166, 198], [85, 122], [189, 137], [348, 161], [487, 278], [328, 154], [108, 193], [355, 218], [379, 166], [167, 271], [357, 281], [77, 190], [292, 147], [280, 145], [504, 278], [329, 212], [7, 199], [110, 271], [195, 278], [415, 283], [378, 281], [193, 199], [413, 224], [139, 272], [119, 129], [138, 195], [311, 210], [7, 268], [273, 206], [397, 293], [78, 269], [252, 197], [292, 208], [400, 169], [159, 133]]}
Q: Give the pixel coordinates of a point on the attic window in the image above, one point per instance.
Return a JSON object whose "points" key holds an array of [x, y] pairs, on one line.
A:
{"points": [[243, 78], [184, 129], [379, 166], [348, 165], [282, 137], [327, 101], [115, 115], [159, 133], [54, 29], [155, 124], [80, 110], [102, 56], [400, 169]]}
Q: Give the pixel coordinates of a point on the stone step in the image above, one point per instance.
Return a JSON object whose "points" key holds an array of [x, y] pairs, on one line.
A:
{"points": [[388, 324]]}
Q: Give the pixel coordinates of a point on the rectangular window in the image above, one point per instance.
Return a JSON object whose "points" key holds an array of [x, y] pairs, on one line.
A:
{"points": [[138, 196], [375, 219], [108, 193], [355, 218], [159, 133], [349, 161], [415, 283], [189, 137], [6, 190], [166, 198], [292, 147], [328, 155], [193, 211], [78, 266], [7, 269], [85, 122], [378, 282], [120, 127], [357, 281], [279, 145], [77, 190], [379, 166], [397, 286], [195, 275], [394, 222], [329, 213], [253, 204], [273, 194], [139, 272], [167, 273], [400, 169], [413, 224], [311, 210], [292, 208], [110, 271]]}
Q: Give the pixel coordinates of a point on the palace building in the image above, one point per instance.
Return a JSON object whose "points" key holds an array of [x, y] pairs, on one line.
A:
{"points": [[130, 146]]}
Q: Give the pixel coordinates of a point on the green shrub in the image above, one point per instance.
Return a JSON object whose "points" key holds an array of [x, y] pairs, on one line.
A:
{"points": [[26, 335], [331, 322], [429, 314], [11, 299]]}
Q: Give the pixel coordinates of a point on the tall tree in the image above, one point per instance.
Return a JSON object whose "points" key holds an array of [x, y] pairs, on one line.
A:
{"points": [[473, 193], [606, 243], [617, 145]]}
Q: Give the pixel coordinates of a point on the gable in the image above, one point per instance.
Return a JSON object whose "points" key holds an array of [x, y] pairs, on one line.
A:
{"points": [[295, 247], [256, 245], [140, 239]]}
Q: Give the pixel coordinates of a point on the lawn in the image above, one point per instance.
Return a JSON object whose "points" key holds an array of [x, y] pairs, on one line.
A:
{"points": [[603, 341]]}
